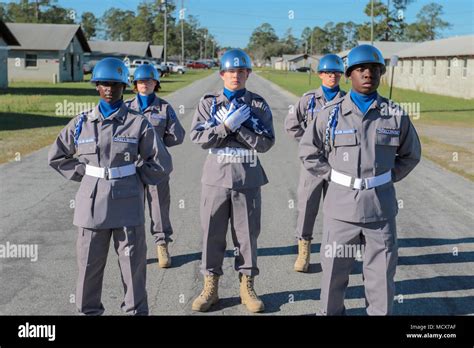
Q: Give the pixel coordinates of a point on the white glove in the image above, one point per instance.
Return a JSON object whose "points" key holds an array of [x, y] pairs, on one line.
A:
{"points": [[223, 113], [236, 118]]}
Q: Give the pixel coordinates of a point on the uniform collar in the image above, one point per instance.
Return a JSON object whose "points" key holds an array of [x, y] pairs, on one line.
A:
{"points": [[221, 98], [348, 105], [156, 104], [119, 115]]}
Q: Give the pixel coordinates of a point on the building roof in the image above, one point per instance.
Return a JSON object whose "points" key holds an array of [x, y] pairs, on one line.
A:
{"points": [[7, 35], [156, 51], [388, 48], [124, 48], [452, 46], [46, 37]]}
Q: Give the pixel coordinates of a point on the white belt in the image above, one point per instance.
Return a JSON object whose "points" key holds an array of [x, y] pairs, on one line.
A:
{"points": [[111, 173], [360, 184], [232, 151]]}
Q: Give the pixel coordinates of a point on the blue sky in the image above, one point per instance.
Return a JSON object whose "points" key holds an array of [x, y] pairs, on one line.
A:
{"points": [[232, 22]]}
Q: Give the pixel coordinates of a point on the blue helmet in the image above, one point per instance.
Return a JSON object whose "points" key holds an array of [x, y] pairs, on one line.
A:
{"points": [[364, 54], [235, 59], [331, 62], [146, 72], [110, 69]]}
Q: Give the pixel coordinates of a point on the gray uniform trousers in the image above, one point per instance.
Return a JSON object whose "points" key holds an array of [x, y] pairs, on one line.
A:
{"points": [[310, 189], [158, 197], [379, 254], [92, 249], [243, 208]]}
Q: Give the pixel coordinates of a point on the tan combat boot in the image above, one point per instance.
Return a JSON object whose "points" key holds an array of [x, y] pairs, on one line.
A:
{"points": [[248, 296], [209, 295], [304, 252], [164, 259]]}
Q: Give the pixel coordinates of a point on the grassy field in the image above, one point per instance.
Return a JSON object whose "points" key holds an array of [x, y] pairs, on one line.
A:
{"points": [[430, 110], [33, 113]]}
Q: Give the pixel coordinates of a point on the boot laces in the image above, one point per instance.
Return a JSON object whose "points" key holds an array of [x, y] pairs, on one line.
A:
{"points": [[250, 289], [209, 289]]}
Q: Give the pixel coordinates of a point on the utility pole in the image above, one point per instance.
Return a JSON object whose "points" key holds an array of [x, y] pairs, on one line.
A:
{"points": [[205, 45], [37, 11], [166, 22], [182, 31], [311, 44], [372, 22]]}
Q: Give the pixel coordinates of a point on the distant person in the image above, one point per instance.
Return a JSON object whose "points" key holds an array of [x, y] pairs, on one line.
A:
{"points": [[146, 83], [310, 187]]}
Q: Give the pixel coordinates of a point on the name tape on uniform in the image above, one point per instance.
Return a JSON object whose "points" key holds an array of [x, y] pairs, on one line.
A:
{"points": [[126, 140], [345, 131], [86, 141], [388, 131], [158, 117]]}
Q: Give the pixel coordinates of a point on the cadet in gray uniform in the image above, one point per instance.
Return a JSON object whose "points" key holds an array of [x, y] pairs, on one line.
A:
{"points": [[232, 125], [168, 129], [311, 187], [113, 152], [362, 143]]}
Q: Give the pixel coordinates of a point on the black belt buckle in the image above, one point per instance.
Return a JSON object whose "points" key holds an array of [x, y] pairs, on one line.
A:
{"points": [[362, 185], [106, 173]]}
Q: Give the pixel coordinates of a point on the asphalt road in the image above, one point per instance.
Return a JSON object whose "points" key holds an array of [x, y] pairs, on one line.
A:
{"points": [[435, 227]]}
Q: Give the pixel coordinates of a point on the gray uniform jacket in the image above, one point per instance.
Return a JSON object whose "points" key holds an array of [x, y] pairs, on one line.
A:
{"points": [[222, 173], [300, 115], [123, 138], [382, 140], [163, 119]]}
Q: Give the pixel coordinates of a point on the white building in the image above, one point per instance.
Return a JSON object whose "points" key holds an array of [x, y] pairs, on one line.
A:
{"points": [[444, 66], [47, 52]]}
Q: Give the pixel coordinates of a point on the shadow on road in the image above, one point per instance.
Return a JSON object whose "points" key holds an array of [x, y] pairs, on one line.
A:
{"points": [[419, 306]]}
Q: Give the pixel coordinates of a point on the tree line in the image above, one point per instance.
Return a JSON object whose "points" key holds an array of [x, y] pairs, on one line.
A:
{"points": [[389, 25], [144, 24]]}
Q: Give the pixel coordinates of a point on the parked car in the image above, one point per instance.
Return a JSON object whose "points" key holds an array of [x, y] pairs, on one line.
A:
{"points": [[303, 69], [196, 65], [162, 68], [176, 68], [210, 62]]}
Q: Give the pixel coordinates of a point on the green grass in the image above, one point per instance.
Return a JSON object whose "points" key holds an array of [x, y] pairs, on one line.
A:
{"points": [[33, 113], [434, 109]]}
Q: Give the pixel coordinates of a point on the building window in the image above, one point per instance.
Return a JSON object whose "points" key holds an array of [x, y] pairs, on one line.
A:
{"points": [[78, 61], [64, 62], [434, 67], [464, 68], [422, 67], [410, 65], [448, 69], [31, 61]]}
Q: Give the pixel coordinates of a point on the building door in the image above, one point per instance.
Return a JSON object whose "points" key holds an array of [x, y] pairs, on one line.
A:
{"points": [[72, 67]]}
